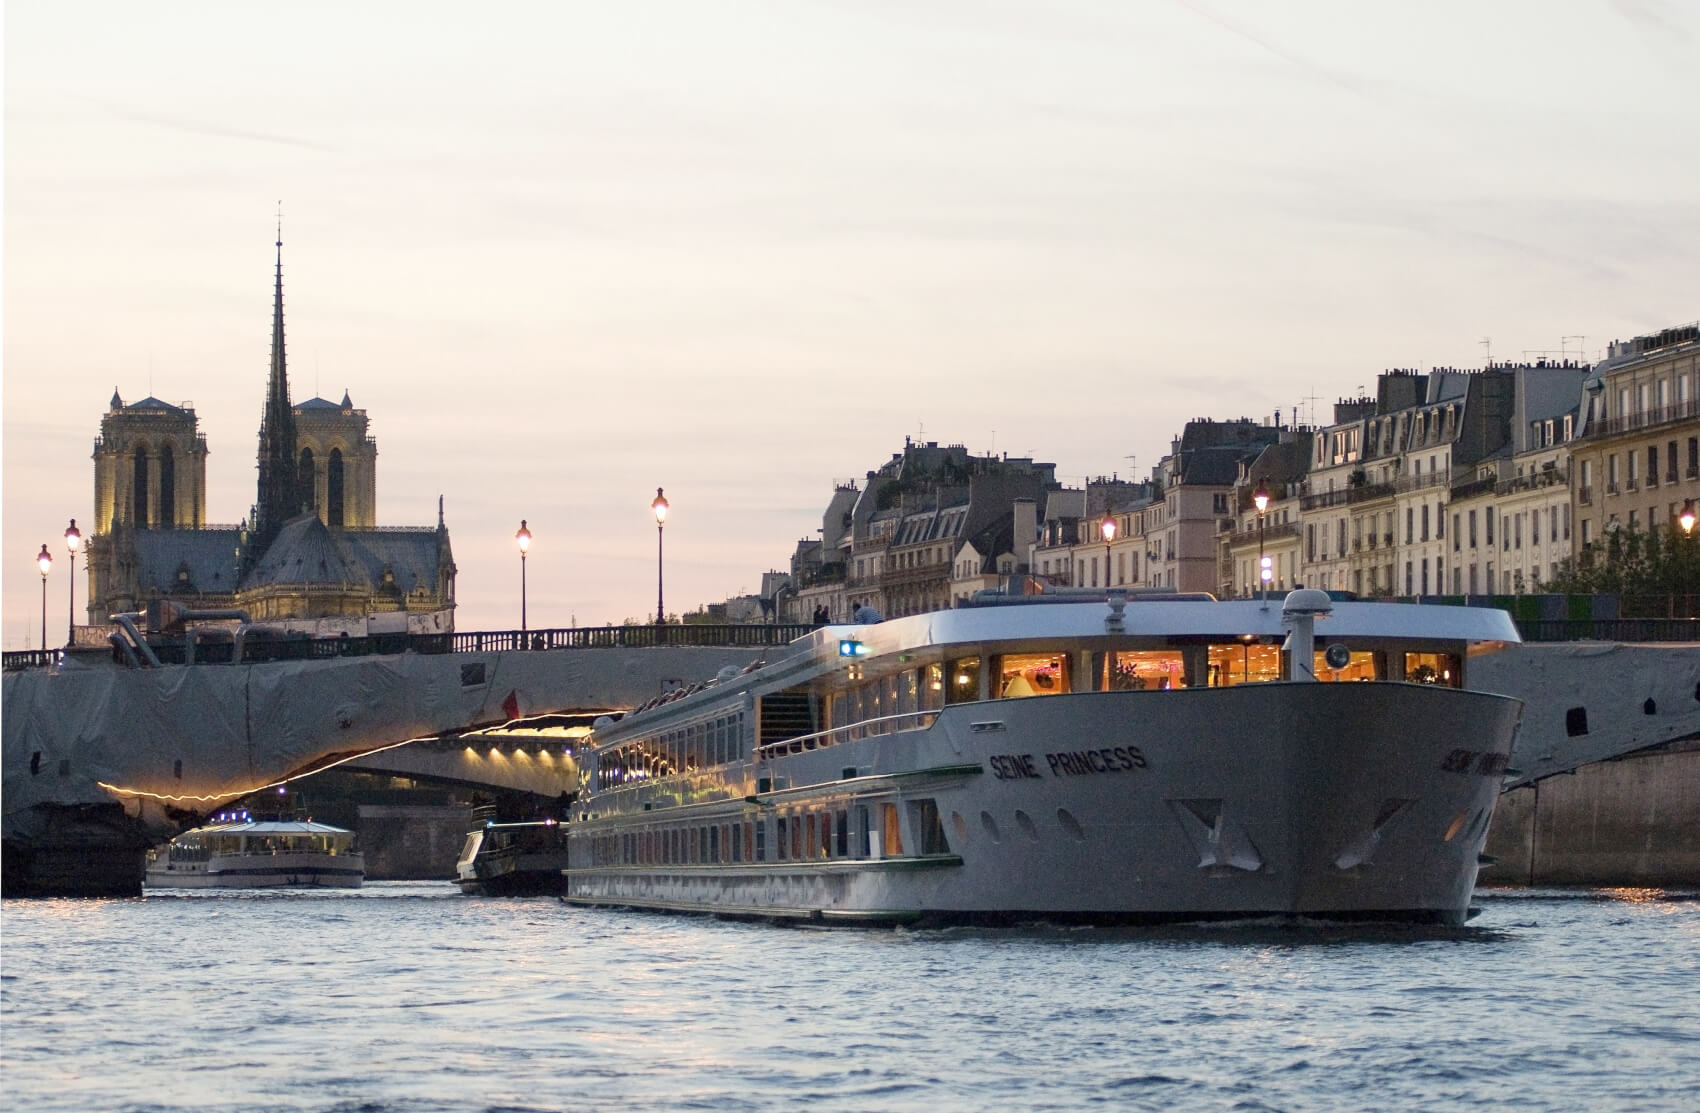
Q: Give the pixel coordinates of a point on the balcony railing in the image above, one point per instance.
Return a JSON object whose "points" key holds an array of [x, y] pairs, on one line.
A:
{"points": [[1646, 419]]}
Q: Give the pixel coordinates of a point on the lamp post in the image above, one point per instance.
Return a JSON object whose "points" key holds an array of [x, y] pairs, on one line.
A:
{"points": [[73, 540], [1108, 528], [1687, 518], [523, 538], [44, 561], [1264, 572], [660, 508]]}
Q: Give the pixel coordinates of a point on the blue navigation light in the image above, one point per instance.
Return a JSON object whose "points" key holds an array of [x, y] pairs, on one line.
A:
{"points": [[850, 647]]}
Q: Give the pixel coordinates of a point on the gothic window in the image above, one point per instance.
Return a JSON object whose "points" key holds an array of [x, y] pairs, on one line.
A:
{"points": [[167, 487], [333, 490], [139, 489], [306, 487]]}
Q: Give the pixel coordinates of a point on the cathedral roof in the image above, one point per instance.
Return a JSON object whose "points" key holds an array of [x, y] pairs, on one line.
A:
{"points": [[318, 404], [305, 552], [151, 403], [206, 556]]}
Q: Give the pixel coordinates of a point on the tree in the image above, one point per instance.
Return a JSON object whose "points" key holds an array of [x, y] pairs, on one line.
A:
{"points": [[1654, 575]]}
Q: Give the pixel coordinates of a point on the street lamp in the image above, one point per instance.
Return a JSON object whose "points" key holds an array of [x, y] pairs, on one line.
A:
{"points": [[1265, 572], [1686, 518], [73, 540], [1108, 528], [660, 508], [44, 561], [523, 538]]}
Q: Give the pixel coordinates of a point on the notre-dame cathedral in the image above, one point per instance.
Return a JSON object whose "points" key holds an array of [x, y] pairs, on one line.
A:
{"points": [[310, 549]]}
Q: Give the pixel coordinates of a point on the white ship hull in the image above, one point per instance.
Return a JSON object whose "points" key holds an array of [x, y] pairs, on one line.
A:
{"points": [[260, 871], [1328, 801]]}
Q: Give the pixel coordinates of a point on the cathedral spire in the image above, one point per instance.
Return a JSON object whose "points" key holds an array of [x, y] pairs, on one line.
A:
{"points": [[279, 498]]}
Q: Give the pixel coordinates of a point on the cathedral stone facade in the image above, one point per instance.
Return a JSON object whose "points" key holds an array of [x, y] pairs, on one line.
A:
{"points": [[311, 549]]}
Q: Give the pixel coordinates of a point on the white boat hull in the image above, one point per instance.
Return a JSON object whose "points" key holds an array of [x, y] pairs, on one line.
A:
{"points": [[1328, 801], [261, 871]]}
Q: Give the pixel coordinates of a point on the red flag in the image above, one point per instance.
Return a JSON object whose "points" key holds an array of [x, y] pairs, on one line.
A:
{"points": [[510, 706]]}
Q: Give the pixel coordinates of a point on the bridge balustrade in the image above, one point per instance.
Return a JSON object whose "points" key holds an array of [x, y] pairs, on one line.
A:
{"points": [[477, 641]]}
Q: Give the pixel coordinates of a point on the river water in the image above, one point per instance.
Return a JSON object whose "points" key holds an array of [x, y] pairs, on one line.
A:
{"points": [[410, 998]]}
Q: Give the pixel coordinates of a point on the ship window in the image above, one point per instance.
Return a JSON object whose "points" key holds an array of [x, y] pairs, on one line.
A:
{"points": [[1031, 674], [862, 827], [779, 837], [891, 835], [1244, 662], [964, 680], [737, 842], [809, 834], [924, 818], [761, 840], [1139, 669], [932, 688], [1434, 668], [991, 826], [797, 836], [1360, 667], [842, 847]]}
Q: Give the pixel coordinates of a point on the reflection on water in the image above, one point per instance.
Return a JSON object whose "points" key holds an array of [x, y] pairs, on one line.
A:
{"points": [[411, 997]]}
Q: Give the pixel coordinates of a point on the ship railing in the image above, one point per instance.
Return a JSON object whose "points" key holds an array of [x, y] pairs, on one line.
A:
{"points": [[850, 732]]}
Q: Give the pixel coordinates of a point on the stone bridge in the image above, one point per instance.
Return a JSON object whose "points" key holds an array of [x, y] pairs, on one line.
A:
{"points": [[101, 762]]}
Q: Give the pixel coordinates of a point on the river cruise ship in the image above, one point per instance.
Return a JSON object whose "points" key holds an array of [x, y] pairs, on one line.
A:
{"points": [[241, 852], [1150, 760]]}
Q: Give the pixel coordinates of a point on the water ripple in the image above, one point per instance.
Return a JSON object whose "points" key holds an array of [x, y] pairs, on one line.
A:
{"points": [[412, 999]]}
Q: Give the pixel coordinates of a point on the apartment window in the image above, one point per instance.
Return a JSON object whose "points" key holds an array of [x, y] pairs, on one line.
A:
{"points": [[1342, 533], [1472, 538], [1670, 462], [1220, 503], [1425, 575], [1569, 426], [1652, 465], [1455, 543], [1310, 542], [1587, 531], [1487, 521], [1693, 457], [1425, 524], [1611, 474], [1634, 468], [1408, 580], [1517, 528], [1410, 518], [1457, 581]]}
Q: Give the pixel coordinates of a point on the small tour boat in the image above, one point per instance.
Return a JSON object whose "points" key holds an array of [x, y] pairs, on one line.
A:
{"points": [[513, 859], [240, 852]]}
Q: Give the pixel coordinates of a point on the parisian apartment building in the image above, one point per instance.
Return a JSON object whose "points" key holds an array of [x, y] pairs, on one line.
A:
{"points": [[1443, 482]]}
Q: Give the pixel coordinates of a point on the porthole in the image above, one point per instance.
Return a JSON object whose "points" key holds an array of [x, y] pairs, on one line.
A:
{"points": [[991, 826], [959, 825], [1023, 821], [1070, 824]]}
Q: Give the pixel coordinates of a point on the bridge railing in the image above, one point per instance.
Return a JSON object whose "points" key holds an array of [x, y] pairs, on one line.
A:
{"points": [[631, 637], [221, 652]]}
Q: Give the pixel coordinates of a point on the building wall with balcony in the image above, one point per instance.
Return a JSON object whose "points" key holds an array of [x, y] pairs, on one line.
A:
{"points": [[1637, 458]]}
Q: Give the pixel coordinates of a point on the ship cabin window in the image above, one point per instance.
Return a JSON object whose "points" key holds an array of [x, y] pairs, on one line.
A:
{"points": [[1031, 674], [761, 841], [932, 687], [1243, 662], [890, 834], [779, 827], [1362, 665], [963, 680], [929, 832], [1434, 668], [1131, 670]]}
